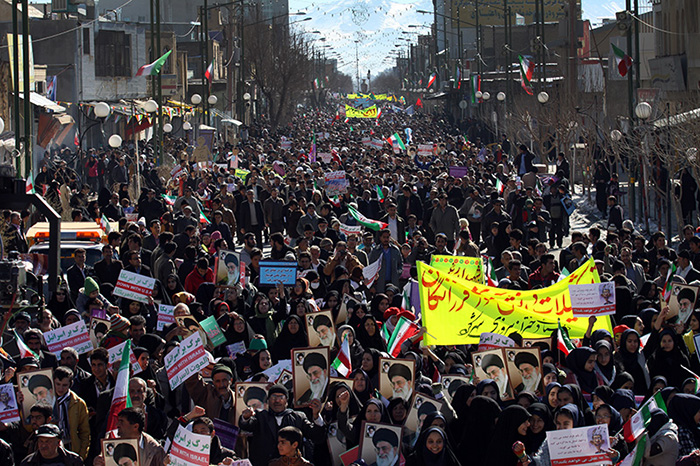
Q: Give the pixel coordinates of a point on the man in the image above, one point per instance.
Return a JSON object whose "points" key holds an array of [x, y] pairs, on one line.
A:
{"points": [[70, 414], [186, 219], [77, 273], [156, 420], [473, 209], [516, 239], [397, 225], [685, 267], [133, 259], [392, 262], [580, 256], [529, 368], [41, 387], [151, 242], [341, 258], [249, 243], [386, 445], [524, 161], [274, 212], [137, 328], [151, 208], [107, 270], [545, 275], [633, 271], [49, 450], [316, 369], [33, 338], [311, 218], [353, 250], [165, 265], [517, 282], [219, 225], [113, 211], [401, 381], [69, 358], [216, 397], [182, 240], [130, 425], [324, 232], [493, 365], [445, 219], [324, 330], [252, 217], [15, 235], [409, 204], [189, 200], [201, 274], [265, 424]]}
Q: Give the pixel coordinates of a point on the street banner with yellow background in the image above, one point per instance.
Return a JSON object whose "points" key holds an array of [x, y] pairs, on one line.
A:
{"points": [[466, 268], [352, 112], [457, 312]]}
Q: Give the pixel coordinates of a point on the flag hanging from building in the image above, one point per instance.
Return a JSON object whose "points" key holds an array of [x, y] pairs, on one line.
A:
{"points": [[475, 86], [458, 76], [51, 88], [526, 70], [622, 60], [432, 79], [209, 74], [153, 69]]}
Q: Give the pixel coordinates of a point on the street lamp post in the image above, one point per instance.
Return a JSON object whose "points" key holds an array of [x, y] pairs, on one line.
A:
{"points": [[643, 112], [542, 98]]}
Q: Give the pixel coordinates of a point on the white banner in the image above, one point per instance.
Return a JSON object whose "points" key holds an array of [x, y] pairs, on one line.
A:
{"points": [[74, 335], [189, 449], [580, 446], [115, 357], [8, 403], [165, 316], [489, 341], [371, 272], [133, 286], [186, 360], [594, 299]]}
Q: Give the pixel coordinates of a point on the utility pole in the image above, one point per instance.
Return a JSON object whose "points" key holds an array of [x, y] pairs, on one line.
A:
{"points": [[28, 118], [478, 37], [15, 71], [159, 94], [205, 62], [630, 108], [573, 13]]}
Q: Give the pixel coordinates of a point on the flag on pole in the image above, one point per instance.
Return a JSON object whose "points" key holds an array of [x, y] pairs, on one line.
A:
{"points": [[490, 274], [51, 87], [396, 141], [209, 74], [366, 222], [380, 194], [153, 69], [500, 186], [343, 363], [121, 398], [404, 330], [527, 69], [203, 219], [312, 150], [316, 83], [24, 351], [170, 200], [29, 185], [104, 223], [635, 457], [564, 344], [639, 421], [475, 86], [432, 79], [622, 60], [668, 285], [458, 76]]}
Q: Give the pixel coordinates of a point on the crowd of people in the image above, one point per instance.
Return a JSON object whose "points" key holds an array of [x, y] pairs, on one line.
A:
{"points": [[275, 205]]}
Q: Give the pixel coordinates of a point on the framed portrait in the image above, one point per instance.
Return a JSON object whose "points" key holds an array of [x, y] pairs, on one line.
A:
{"points": [[450, 384], [682, 302], [491, 364], [251, 395], [525, 369], [228, 268], [380, 443], [36, 387], [420, 407], [120, 452], [396, 378], [541, 343], [310, 373], [98, 329], [336, 443], [320, 329]]}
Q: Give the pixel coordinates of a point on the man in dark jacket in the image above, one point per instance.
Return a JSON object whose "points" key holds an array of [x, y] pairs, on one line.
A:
{"points": [[265, 424], [524, 161], [49, 449], [251, 216], [615, 215], [108, 269]]}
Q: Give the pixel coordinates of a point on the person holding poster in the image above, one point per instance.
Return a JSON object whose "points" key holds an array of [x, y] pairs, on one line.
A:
{"points": [[217, 396], [131, 424]]}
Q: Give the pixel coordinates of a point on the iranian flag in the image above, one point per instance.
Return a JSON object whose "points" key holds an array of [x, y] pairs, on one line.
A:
{"points": [[500, 186], [29, 185], [564, 273], [432, 79], [203, 219], [121, 398], [527, 69], [366, 222], [170, 200], [475, 86], [639, 421], [209, 74], [317, 83], [404, 330], [154, 68], [343, 363], [24, 351], [635, 456], [104, 223], [386, 334], [564, 344], [380, 194], [312, 150], [396, 141], [623, 61], [669, 282], [490, 274]]}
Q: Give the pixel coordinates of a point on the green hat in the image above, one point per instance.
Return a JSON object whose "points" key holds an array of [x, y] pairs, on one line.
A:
{"points": [[221, 368], [90, 285], [257, 344]]}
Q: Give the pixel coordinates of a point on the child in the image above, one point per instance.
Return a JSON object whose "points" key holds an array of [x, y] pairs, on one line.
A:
{"points": [[288, 443]]}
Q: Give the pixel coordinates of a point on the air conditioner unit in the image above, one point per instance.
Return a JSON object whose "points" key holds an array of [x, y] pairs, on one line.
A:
{"points": [[63, 6]]}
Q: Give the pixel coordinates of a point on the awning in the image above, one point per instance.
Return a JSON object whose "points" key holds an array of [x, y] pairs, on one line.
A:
{"points": [[231, 121], [41, 101], [678, 119]]}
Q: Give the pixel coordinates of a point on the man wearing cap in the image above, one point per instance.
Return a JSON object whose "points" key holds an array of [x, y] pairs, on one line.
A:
{"points": [[316, 367], [386, 445], [264, 425], [216, 397], [324, 329], [529, 368], [401, 381], [49, 450], [493, 365]]}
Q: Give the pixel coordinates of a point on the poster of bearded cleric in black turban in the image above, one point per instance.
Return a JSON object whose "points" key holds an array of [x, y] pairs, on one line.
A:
{"points": [[525, 369], [310, 374], [320, 329], [380, 444], [396, 378], [251, 395], [491, 364], [36, 387]]}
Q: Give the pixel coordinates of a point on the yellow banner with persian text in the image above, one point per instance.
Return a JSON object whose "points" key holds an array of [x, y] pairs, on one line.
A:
{"points": [[369, 112], [466, 268], [457, 312]]}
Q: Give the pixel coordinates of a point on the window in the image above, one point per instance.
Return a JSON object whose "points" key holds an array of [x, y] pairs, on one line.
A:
{"points": [[86, 41], [112, 54]]}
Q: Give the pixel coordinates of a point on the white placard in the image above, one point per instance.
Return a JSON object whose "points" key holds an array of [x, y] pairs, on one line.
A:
{"points": [[189, 448], [74, 335], [371, 272], [489, 341], [592, 299], [185, 360], [165, 316], [580, 446], [133, 286]]}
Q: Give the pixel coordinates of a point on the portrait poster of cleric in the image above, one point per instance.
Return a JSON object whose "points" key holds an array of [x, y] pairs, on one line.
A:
{"points": [[525, 369], [450, 384], [320, 329], [420, 407], [491, 365], [310, 374], [251, 395], [380, 444], [396, 378], [120, 452], [35, 387]]}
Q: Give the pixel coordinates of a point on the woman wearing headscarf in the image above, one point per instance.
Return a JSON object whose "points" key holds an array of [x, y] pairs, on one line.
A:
{"points": [[361, 385], [432, 449], [60, 303], [398, 411], [606, 414], [478, 428], [565, 417], [603, 394], [356, 349], [663, 440], [292, 335], [171, 287], [489, 388], [239, 331], [581, 362], [604, 365], [648, 316], [372, 411], [684, 410], [551, 395], [632, 360], [525, 399], [540, 422], [265, 320], [511, 427], [667, 358], [338, 394], [370, 364], [571, 394], [462, 399], [369, 334], [688, 338]]}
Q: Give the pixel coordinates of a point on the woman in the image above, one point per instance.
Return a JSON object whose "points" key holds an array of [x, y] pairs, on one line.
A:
{"points": [[540, 422], [693, 329], [602, 395], [684, 409], [398, 411], [239, 331], [489, 388], [478, 428], [172, 287], [668, 359], [339, 393], [633, 361], [262, 361], [606, 414], [356, 349], [378, 305], [551, 395], [360, 385], [571, 394], [432, 448], [60, 303], [462, 399], [525, 399], [512, 426], [372, 411], [370, 365], [292, 335], [581, 362], [369, 334], [604, 366], [265, 321]]}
